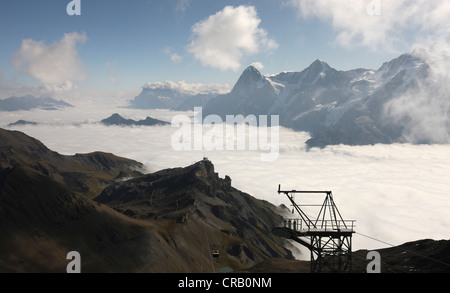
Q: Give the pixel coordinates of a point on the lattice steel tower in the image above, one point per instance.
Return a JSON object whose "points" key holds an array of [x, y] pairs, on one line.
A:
{"points": [[330, 237]]}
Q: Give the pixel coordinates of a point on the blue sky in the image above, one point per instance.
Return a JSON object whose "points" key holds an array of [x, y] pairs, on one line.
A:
{"points": [[121, 45]]}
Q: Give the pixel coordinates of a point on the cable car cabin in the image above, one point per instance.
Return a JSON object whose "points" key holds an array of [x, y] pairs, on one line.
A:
{"points": [[215, 253]]}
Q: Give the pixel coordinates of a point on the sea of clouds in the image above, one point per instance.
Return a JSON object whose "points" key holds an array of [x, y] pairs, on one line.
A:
{"points": [[396, 193]]}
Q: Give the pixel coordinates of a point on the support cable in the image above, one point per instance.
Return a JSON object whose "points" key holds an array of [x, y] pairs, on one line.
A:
{"points": [[417, 254]]}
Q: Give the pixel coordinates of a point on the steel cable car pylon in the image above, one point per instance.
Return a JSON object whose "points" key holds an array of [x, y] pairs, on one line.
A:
{"points": [[329, 235]]}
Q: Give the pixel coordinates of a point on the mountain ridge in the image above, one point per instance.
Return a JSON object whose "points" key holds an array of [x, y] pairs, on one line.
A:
{"points": [[354, 107], [335, 107], [234, 223], [30, 102], [116, 119], [47, 208], [84, 173]]}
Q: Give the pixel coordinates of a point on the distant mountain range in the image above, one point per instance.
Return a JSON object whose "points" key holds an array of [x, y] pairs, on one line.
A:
{"points": [[29, 102], [22, 122], [177, 96], [116, 119], [335, 107], [168, 99]]}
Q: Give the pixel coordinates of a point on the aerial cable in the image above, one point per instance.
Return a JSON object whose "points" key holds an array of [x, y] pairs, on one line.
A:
{"points": [[417, 254]]}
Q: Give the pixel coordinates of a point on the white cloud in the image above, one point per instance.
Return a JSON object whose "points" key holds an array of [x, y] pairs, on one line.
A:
{"points": [[10, 87], [173, 56], [5, 88], [190, 88], [112, 68], [394, 192], [56, 89], [221, 40], [55, 65], [182, 5], [357, 22], [258, 65], [425, 110], [176, 58]]}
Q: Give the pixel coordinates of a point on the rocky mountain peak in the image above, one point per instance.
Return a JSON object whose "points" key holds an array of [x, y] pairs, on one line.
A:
{"points": [[320, 65], [204, 169], [403, 62], [252, 70], [250, 76], [116, 119]]}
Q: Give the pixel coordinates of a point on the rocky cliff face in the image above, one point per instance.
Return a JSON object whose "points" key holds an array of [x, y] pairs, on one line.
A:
{"points": [[180, 220], [204, 209], [46, 210]]}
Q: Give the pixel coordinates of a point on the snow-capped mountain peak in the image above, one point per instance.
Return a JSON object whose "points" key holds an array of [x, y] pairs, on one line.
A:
{"points": [[404, 62], [334, 106], [249, 77], [320, 65]]}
